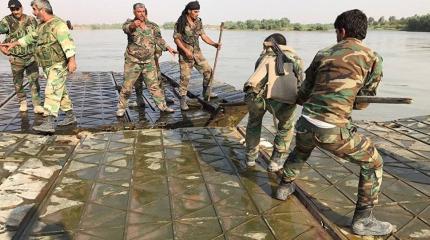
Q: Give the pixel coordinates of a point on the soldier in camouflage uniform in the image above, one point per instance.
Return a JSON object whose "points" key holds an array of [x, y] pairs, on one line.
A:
{"points": [[256, 89], [17, 25], [138, 86], [187, 31], [55, 53], [335, 77], [143, 37]]}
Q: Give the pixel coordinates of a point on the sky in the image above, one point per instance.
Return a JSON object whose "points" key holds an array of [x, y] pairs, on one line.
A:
{"points": [[216, 11]]}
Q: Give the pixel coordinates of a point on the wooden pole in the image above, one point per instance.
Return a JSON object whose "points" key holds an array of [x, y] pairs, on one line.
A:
{"points": [[388, 100], [221, 28]]}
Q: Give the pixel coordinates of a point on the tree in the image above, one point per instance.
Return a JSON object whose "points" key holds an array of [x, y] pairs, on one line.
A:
{"points": [[371, 21], [392, 19], [381, 20]]}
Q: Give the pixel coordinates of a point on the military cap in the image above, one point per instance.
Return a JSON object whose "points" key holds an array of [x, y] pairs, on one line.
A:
{"points": [[14, 4]]}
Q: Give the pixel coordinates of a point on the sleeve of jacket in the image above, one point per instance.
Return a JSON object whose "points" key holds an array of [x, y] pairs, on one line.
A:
{"points": [[373, 79], [159, 41], [65, 40], [298, 68], [307, 86], [126, 26], [4, 26], [28, 39], [176, 34]]}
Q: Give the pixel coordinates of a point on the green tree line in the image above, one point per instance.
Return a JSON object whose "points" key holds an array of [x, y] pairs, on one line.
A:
{"points": [[415, 23], [267, 24]]}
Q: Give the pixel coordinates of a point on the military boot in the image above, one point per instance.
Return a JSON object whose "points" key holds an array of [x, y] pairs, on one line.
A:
{"points": [[70, 118], [365, 224], [39, 109], [164, 108], [183, 103], [284, 190], [140, 101], [23, 106], [251, 157], [48, 125], [276, 161], [168, 100], [205, 93]]}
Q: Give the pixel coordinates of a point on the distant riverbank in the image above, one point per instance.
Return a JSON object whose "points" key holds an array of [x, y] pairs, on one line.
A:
{"points": [[415, 24]]}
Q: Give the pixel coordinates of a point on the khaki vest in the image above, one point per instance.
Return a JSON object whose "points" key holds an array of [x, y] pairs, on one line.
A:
{"points": [[17, 31], [48, 49], [280, 88]]}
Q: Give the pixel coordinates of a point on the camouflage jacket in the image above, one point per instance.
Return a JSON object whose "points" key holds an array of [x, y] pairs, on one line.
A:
{"points": [[15, 30], [258, 80], [191, 36], [54, 44], [335, 77], [142, 44]]}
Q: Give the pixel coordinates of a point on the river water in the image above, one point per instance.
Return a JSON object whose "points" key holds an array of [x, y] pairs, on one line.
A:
{"points": [[406, 61]]}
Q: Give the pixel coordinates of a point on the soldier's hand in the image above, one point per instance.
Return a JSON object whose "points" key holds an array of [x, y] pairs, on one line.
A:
{"points": [[217, 45], [189, 54], [71, 65], [4, 51], [172, 51], [9, 46]]}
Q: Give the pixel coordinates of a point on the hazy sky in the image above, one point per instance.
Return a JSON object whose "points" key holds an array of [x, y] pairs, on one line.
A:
{"points": [[215, 11]]}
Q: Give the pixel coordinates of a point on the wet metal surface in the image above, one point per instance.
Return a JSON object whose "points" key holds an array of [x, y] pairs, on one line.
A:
{"points": [[329, 183], [95, 96], [148, 184]]}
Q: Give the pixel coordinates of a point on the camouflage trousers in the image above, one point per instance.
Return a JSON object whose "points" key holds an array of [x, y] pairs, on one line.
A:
{"points": [[138, 85], [283, 112], [29, 66], [56, 94], [344, 143], [186, 66], [134, 71]]}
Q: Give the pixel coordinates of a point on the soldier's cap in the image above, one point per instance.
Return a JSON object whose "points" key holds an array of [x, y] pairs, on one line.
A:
{"points": [[14, 4]]}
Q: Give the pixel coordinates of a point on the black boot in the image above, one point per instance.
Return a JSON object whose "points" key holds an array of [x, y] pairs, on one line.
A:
{"points": [[183, 103], [206, 93], [284, 190], [365, 224], [276, 161], [140, 101], [168, 100], [48, 125], [69, 119]]}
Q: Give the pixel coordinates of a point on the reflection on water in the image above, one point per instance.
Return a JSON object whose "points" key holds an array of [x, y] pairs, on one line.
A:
{"points": [[406, 56]]}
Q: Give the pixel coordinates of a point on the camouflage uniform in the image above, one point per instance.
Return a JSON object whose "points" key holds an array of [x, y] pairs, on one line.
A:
{"points": [[54, 45], [140, 62], [21, 58], [191, 40], [333, 80], [138, 85], [258, 104]]}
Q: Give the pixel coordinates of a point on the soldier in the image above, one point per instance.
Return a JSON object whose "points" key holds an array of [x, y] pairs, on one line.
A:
{"points": [[143, 37], [138, 86], [260, 98], [17, 25], [55, 53], [188, 29], [335, 77]]}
